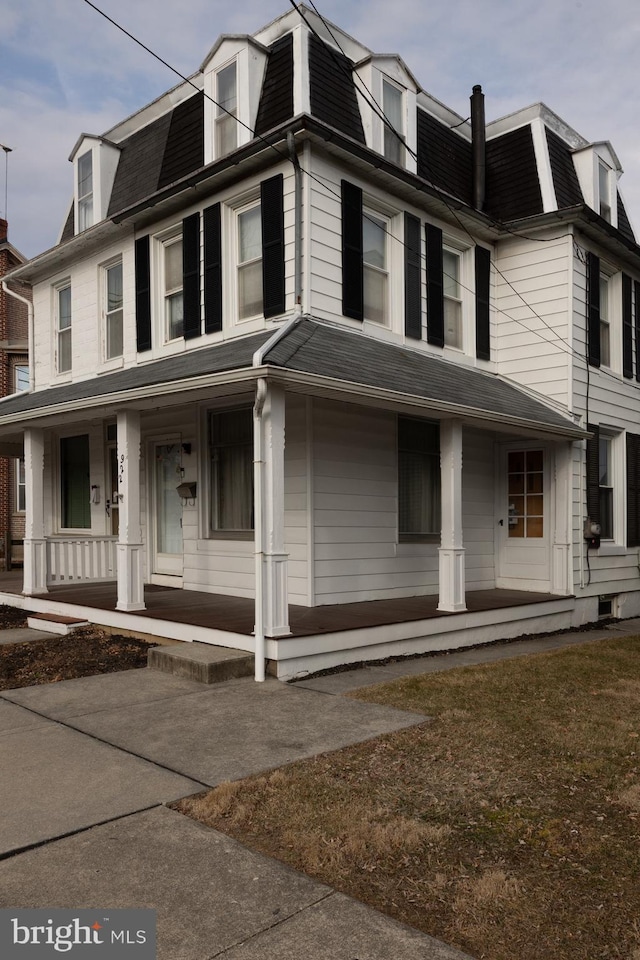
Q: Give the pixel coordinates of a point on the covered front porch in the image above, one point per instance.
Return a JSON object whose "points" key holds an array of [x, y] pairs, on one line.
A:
{"points": [[321, 637]]}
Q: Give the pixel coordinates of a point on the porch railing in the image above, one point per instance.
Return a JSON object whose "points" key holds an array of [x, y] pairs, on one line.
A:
{"points": [[81, 558]]}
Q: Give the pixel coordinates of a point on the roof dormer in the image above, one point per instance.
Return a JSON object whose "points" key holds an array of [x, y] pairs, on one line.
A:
{"points": [[386, 86], [598, 170], [233, 75], [95, 161]]}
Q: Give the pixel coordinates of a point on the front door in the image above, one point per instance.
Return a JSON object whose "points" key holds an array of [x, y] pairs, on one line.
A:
{"points": [[166, 510], [523, 513]]}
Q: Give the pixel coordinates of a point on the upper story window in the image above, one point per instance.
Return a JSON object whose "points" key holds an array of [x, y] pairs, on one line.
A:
{"points": [[375, 267], [226, 109], [452, 298], [605, 330], [604, 191], [172, 283], [21, 374], [249, 230], [63, 328], [392, 107], [113, 312], [85, 190]]}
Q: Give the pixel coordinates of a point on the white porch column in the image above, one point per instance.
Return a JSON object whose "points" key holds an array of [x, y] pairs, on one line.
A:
{"points": [[35, 552], [130, 585], [275, 559], [561, 559], [451, 553]]}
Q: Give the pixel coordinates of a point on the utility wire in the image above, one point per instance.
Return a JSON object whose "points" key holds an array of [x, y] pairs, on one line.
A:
{"points": [[562, 344]]}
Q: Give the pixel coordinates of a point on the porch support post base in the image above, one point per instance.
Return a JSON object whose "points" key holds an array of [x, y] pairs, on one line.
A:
{"points": [[451, 571], [35, 567], [451, 553], [130, 585], [277, 618]]}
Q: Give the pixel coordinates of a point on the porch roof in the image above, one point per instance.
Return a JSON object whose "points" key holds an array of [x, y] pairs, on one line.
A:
{"points": [[326, 353]]}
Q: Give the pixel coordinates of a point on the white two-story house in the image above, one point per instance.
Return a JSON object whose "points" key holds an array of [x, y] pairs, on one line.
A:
{"points": [[323, 371]]}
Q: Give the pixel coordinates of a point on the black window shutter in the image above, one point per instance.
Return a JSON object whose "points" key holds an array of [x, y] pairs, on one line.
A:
{"points": [[593, 474], [412, 298], [143, 294], [191, 276], [212, 230], [435, 289], [593, 309], [352, 270], [627, 328], [483, 330], [633, 490], [636, 294], [272, 213]]}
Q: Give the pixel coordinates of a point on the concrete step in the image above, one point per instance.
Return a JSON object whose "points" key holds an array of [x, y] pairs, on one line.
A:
{"points": [[201, 661], [55, 623]]}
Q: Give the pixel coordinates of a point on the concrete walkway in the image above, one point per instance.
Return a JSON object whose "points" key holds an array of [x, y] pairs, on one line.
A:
{"points": [[88, 765]]}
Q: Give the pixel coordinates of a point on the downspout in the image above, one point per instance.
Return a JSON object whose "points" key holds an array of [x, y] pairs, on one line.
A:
{"points": [[260, 535], [293, 156], [30, 330], [479, 147]]}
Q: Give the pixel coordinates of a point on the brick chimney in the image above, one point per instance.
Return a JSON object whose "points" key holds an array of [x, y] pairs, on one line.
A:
{"points": [[3, 230]]}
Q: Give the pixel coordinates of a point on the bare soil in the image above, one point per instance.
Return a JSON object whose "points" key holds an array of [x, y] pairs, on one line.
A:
{"points": [[83, 653]]}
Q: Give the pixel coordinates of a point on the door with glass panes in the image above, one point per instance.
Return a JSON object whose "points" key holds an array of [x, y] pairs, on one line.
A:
{"points": [[523, 513], [166, 509]]}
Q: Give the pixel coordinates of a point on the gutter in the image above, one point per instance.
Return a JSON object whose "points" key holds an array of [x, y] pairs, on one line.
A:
{"points": [[30, 332]]}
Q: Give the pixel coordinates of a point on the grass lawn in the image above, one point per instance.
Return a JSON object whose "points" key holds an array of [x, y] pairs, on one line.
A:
{"points": [[507, 824]]}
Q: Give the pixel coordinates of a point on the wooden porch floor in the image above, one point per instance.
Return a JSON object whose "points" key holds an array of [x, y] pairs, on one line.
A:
{"points": [[236, 614]]}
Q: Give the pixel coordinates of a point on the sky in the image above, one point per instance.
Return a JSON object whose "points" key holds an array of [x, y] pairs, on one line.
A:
{"points": [[65, 70]]}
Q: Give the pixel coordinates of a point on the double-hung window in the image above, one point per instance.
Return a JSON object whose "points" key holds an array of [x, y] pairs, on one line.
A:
{"points": [[393, 108], [605, 332], [605, 482], [21, 377], [249, 232], [231, 475], [85, 191], [173, 279], [226, 110], [63, 328], [21, 486], [419, 515], [113, 312], [451, 263], [375, 269], [603, 191]]}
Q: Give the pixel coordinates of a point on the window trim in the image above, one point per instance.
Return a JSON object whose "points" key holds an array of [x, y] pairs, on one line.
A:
{"points": [[106, 313], [399, 152], [220, 115], [208, 531], [451, 249], [380, 219], [85, 201], [244, 205], [58, 289], [406, 536]]}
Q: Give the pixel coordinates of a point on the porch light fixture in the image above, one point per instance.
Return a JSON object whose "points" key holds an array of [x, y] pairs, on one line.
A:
{"points": [[187, 491]]}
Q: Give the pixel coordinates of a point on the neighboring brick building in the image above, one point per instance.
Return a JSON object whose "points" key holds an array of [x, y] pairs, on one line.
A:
{"points": [[14, 376]]}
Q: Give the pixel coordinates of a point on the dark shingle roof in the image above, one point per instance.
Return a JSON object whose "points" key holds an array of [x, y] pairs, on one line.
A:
{"points": [[332, 351], [513, 187], [325, 350], [184, 149], [140, 164], [624, 225], [332, 91], [563, 171], [444, 157], [69, 227], [276, 99]]}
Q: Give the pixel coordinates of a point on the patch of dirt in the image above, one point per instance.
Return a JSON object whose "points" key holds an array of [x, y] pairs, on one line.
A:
{"points": [[83, 653]]}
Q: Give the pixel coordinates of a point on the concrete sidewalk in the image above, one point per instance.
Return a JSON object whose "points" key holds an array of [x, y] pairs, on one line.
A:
{"points": [[88, 766]]}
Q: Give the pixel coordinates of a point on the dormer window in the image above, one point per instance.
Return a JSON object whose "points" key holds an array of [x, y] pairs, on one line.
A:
{"points": [[604, 191], [392, 106], [85, 191], [226, 109]]}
